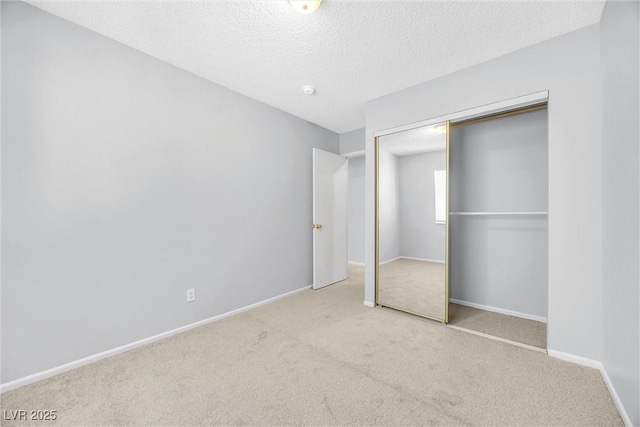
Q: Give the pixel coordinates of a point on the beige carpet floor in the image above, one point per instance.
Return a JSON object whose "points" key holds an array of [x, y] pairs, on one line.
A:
{"points": [[509, 327], [416, 286], [323, 358]]}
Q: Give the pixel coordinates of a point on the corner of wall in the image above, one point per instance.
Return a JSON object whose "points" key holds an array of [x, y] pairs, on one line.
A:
{"points": [[352, 141]]}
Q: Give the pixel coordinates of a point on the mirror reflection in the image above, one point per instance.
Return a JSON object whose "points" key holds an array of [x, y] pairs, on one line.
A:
{"points": [[412, 215]]}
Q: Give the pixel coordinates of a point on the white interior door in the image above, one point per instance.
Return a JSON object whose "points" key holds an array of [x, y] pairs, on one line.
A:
{"points": [[330, 183]]}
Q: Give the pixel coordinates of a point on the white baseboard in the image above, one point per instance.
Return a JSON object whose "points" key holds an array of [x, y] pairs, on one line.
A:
{"points": [[11, 385], [568, 357], [616, 399], [499, 310], [596, 365], [356, 263], [390, 260], [369, 304], [422, 259], [408, 257]]}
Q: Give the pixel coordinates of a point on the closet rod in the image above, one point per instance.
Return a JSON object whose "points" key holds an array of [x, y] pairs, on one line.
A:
{"points": [[497, 213], [500, 115]]}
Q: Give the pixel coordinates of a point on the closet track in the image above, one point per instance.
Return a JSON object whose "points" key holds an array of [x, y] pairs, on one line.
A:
{"points": [[500, 115]]}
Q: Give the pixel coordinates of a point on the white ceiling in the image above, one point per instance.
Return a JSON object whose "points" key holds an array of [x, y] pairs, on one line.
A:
{"points": [[351, 51], [415, 141]]}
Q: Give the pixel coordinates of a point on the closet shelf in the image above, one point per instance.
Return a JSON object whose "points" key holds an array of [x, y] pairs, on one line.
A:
{"points": [[497, 213]]}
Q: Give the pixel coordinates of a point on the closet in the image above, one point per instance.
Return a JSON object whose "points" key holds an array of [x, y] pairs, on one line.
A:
{"points": [[498, 225], [487, 270]]}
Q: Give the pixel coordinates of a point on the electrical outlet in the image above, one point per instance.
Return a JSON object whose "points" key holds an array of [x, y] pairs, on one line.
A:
{"points": [[191, 295]]}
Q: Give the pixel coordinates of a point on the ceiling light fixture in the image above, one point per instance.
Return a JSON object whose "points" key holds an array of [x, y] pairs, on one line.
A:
{"points": [[305, 6], [308, 89]]}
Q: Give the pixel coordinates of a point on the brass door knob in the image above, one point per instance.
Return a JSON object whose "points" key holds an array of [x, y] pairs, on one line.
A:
{"points": [[317, 226]]}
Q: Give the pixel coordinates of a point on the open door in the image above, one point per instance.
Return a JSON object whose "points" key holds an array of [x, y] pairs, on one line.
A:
{"points": [[330, 184]]}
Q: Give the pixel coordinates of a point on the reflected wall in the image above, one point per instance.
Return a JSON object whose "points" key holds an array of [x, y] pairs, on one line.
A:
{"points": [[411, 221]]}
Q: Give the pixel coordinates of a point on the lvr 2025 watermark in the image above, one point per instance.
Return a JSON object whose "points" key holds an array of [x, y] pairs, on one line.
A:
{"points": [[34, 415]]}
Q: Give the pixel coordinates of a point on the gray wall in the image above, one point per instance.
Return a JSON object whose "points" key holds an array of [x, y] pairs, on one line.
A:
{"points": [[567, 66], [420, 236], [352, 141], [500, 166], [389, 207], [126, 181], [355, 207], [621, 204]]}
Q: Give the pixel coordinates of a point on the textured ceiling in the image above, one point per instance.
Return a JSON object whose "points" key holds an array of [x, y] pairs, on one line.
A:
{"points": [[351, 51]]}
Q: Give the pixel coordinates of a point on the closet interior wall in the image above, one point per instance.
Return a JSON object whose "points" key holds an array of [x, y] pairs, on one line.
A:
{"points": [[498, 213]]}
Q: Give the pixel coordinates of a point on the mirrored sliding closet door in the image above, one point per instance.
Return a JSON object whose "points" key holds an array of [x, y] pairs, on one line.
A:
{"points": [[411, 215]]}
